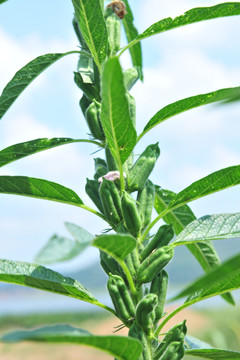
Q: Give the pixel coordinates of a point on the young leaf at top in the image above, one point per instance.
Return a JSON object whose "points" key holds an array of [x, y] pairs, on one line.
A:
{"points": [[121, 347], [93, 28], [39, 277], [210, 227], [116, 245], [24, 77], [204, 251], [219, 180], [224, 278], [115, 117], [38, 188], [190, 17], [187, 104], [21, 150], [131, 33]]}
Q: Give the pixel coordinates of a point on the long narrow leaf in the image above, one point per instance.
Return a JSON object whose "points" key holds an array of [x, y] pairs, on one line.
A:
{"points": [[39, 277], [196, 347], [93, 28], [21, 150], [187, 104], [204, 251], [219, 180], [38, 188], [224, 278], [121, 347], [115, 116], [190, 17], [24, 77], [210, 227], [214, 354], [131, 33]]}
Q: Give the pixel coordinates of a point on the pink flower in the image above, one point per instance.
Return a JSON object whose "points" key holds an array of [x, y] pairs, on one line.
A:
{"points": [[111, 176]]}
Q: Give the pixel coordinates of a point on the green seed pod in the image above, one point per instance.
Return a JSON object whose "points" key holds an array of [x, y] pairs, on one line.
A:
{"points": [[176, 333], [108, 264], [114, 30], [162, 238], [132, 262], [145, 201], [159, 287], [89, 89], [84, 103], [143, 168], [131, 215], [121, 298], [175, 351], [130, 77], [152, 266], [92, 189], [111, 201], [137, 332], [111, 162], [92, 116], [100, 168], [145, 312]]}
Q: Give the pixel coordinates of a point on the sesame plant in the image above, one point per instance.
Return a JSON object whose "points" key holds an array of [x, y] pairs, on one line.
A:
{"points": [[133, 256]]}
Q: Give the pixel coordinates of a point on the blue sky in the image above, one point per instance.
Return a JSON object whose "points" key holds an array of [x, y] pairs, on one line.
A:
{"points": [[180, 63]]}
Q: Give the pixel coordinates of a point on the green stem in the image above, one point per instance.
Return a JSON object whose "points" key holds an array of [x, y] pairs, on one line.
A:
{"points": [[150, 226], [105, 307], [171, 316], [85, 207]]}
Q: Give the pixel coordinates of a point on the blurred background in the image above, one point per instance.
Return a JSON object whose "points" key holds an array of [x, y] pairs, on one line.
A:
{"points": [[183, 62]]}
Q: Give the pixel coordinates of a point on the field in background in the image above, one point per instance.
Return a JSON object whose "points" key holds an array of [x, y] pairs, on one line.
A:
{"points": [[220, 328]]}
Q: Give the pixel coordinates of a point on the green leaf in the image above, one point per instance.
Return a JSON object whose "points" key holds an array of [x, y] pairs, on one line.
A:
{"points": [[210, 227], [39, 277], [93, 28], [224, 278], [131, 33], [121, 347], [204, 251], [214, 354], [79, 233], [190, 17], [199, 348], [24, 77], [116, 245], [38, 188], [194, 343], [115, 116], [60, 249], [21, 150], [2, 1], [187, 104], [219, 180]]}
